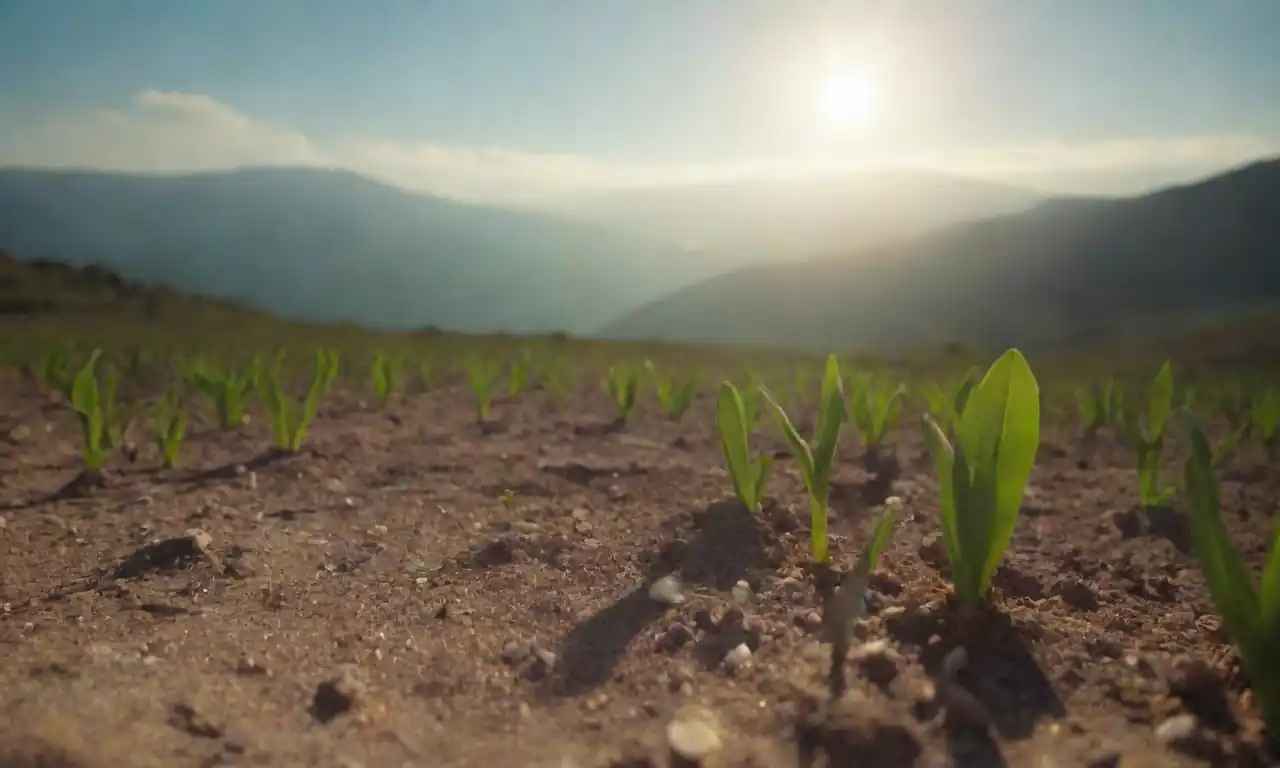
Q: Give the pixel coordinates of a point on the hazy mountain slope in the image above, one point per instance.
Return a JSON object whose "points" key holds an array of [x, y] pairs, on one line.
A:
{"points": [[1067, 269], [328, 245], [801, 218]]}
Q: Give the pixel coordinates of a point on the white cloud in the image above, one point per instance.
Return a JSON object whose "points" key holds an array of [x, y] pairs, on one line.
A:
{"points": [[167, 131]]}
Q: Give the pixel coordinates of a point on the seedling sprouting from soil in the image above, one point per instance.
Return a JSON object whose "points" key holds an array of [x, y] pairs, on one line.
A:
{"points": [[1146, 435], [92, 406], [169, 427], [675, 396], [750, 476], [386, 372], [1250, 614], [945, 404], [982, 476], [53, 370], [519, 372], [482, 375], [873, 409], [1266, 417], [289, 420], [623, 383], [1096, 404], [817, 459], [229, 391], [848, 605]]}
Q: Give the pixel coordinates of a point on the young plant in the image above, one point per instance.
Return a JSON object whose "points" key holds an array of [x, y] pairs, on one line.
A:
{"points": [[89, 403], [675, 398], [518, 373], [53, 370], [289, 420], [873, 409], [169, 423], [1250, 613], [230, 391], [982, 476], [482, 375], [945, 404], [750, 476], [817, 459], [1146, 435], [1096, 406], [1266, 417], [386, 372], [623, 383]]}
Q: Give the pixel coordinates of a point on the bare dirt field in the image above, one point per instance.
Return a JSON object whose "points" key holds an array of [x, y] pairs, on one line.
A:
{"points": [[411, 590]]}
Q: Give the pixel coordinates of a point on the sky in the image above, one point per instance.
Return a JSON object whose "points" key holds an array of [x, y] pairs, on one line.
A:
{"points": [[518, 100]]}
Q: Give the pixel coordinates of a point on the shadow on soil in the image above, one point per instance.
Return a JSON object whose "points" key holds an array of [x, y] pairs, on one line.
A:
{"points": [[728, 546]]}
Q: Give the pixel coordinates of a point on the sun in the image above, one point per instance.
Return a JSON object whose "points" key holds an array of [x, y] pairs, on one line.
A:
{"points": [[849, 98]]}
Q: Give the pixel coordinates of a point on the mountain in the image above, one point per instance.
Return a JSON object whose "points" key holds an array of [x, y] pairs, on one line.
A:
{"points": [[799, 218], [326, 245], [1066, 270]]}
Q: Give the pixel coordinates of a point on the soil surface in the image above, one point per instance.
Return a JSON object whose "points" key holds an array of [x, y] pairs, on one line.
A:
{"points": [[413, 590]]}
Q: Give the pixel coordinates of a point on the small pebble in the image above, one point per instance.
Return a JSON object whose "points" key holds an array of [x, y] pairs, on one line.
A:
{"points": [[693, 736], [738, 657], [1179, 728], [667, 591]]}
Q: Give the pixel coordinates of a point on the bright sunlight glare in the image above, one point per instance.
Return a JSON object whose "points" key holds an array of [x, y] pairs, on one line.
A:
{"points": [[849, 98]]}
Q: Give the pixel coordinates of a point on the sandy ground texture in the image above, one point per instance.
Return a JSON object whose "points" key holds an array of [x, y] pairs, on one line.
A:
{"points": [[412, 590]]}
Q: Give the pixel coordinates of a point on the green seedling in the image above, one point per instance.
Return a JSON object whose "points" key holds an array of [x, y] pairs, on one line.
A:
{"points": [[518, 373], [1250, 613], [1266, 417], [90, 403], [982, 476], [849, 604], [946, 404], [230, 392], [674, 397], [386, 372], [623, 383], [750, 476], [817, 458], [1146, 435], [169, 424], [1096, 405], [289, 420], [873, 410], [482, 376], [53, 370]]}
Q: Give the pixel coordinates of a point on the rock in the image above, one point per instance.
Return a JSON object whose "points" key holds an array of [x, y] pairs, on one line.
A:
{"points": [[741, 593], [878, 662], [933, 550], [693, 735], [667, 591], [955, 660], [1178, 730], [738, 657]]}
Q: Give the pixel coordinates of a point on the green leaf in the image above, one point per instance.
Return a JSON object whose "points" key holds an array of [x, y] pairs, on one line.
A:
{"points": [[731, 424], [1159, 402]]}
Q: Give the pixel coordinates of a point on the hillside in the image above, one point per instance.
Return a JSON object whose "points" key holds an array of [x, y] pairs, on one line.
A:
{"points": [[1067, 270], [803, 217], [328, 246]]}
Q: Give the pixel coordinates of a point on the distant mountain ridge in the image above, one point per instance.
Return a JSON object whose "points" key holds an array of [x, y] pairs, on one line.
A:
{"points": [[1070, 269], [326, 245], [332, 246]]}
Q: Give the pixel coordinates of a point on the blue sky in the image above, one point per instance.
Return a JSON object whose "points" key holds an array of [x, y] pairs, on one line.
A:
{"points": [[485, 97]]}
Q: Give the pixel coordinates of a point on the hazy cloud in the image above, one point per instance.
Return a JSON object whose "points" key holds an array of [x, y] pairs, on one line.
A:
{"points": [[167, 131]]}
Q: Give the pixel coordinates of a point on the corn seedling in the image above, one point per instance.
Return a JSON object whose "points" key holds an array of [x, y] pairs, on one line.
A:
{"points": [[518, 373], [873, 409], [843, 611], [1146, 435], [675, 398], [289, 420], [817, 458], [230, 391], [386, 372], [1250, 613], [750, 476], [946, 404], [1096, 407], [983, 474], [622, 382], [482, 375], [89, 400], [53, 370], [1266, 417], [169, 424]]}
